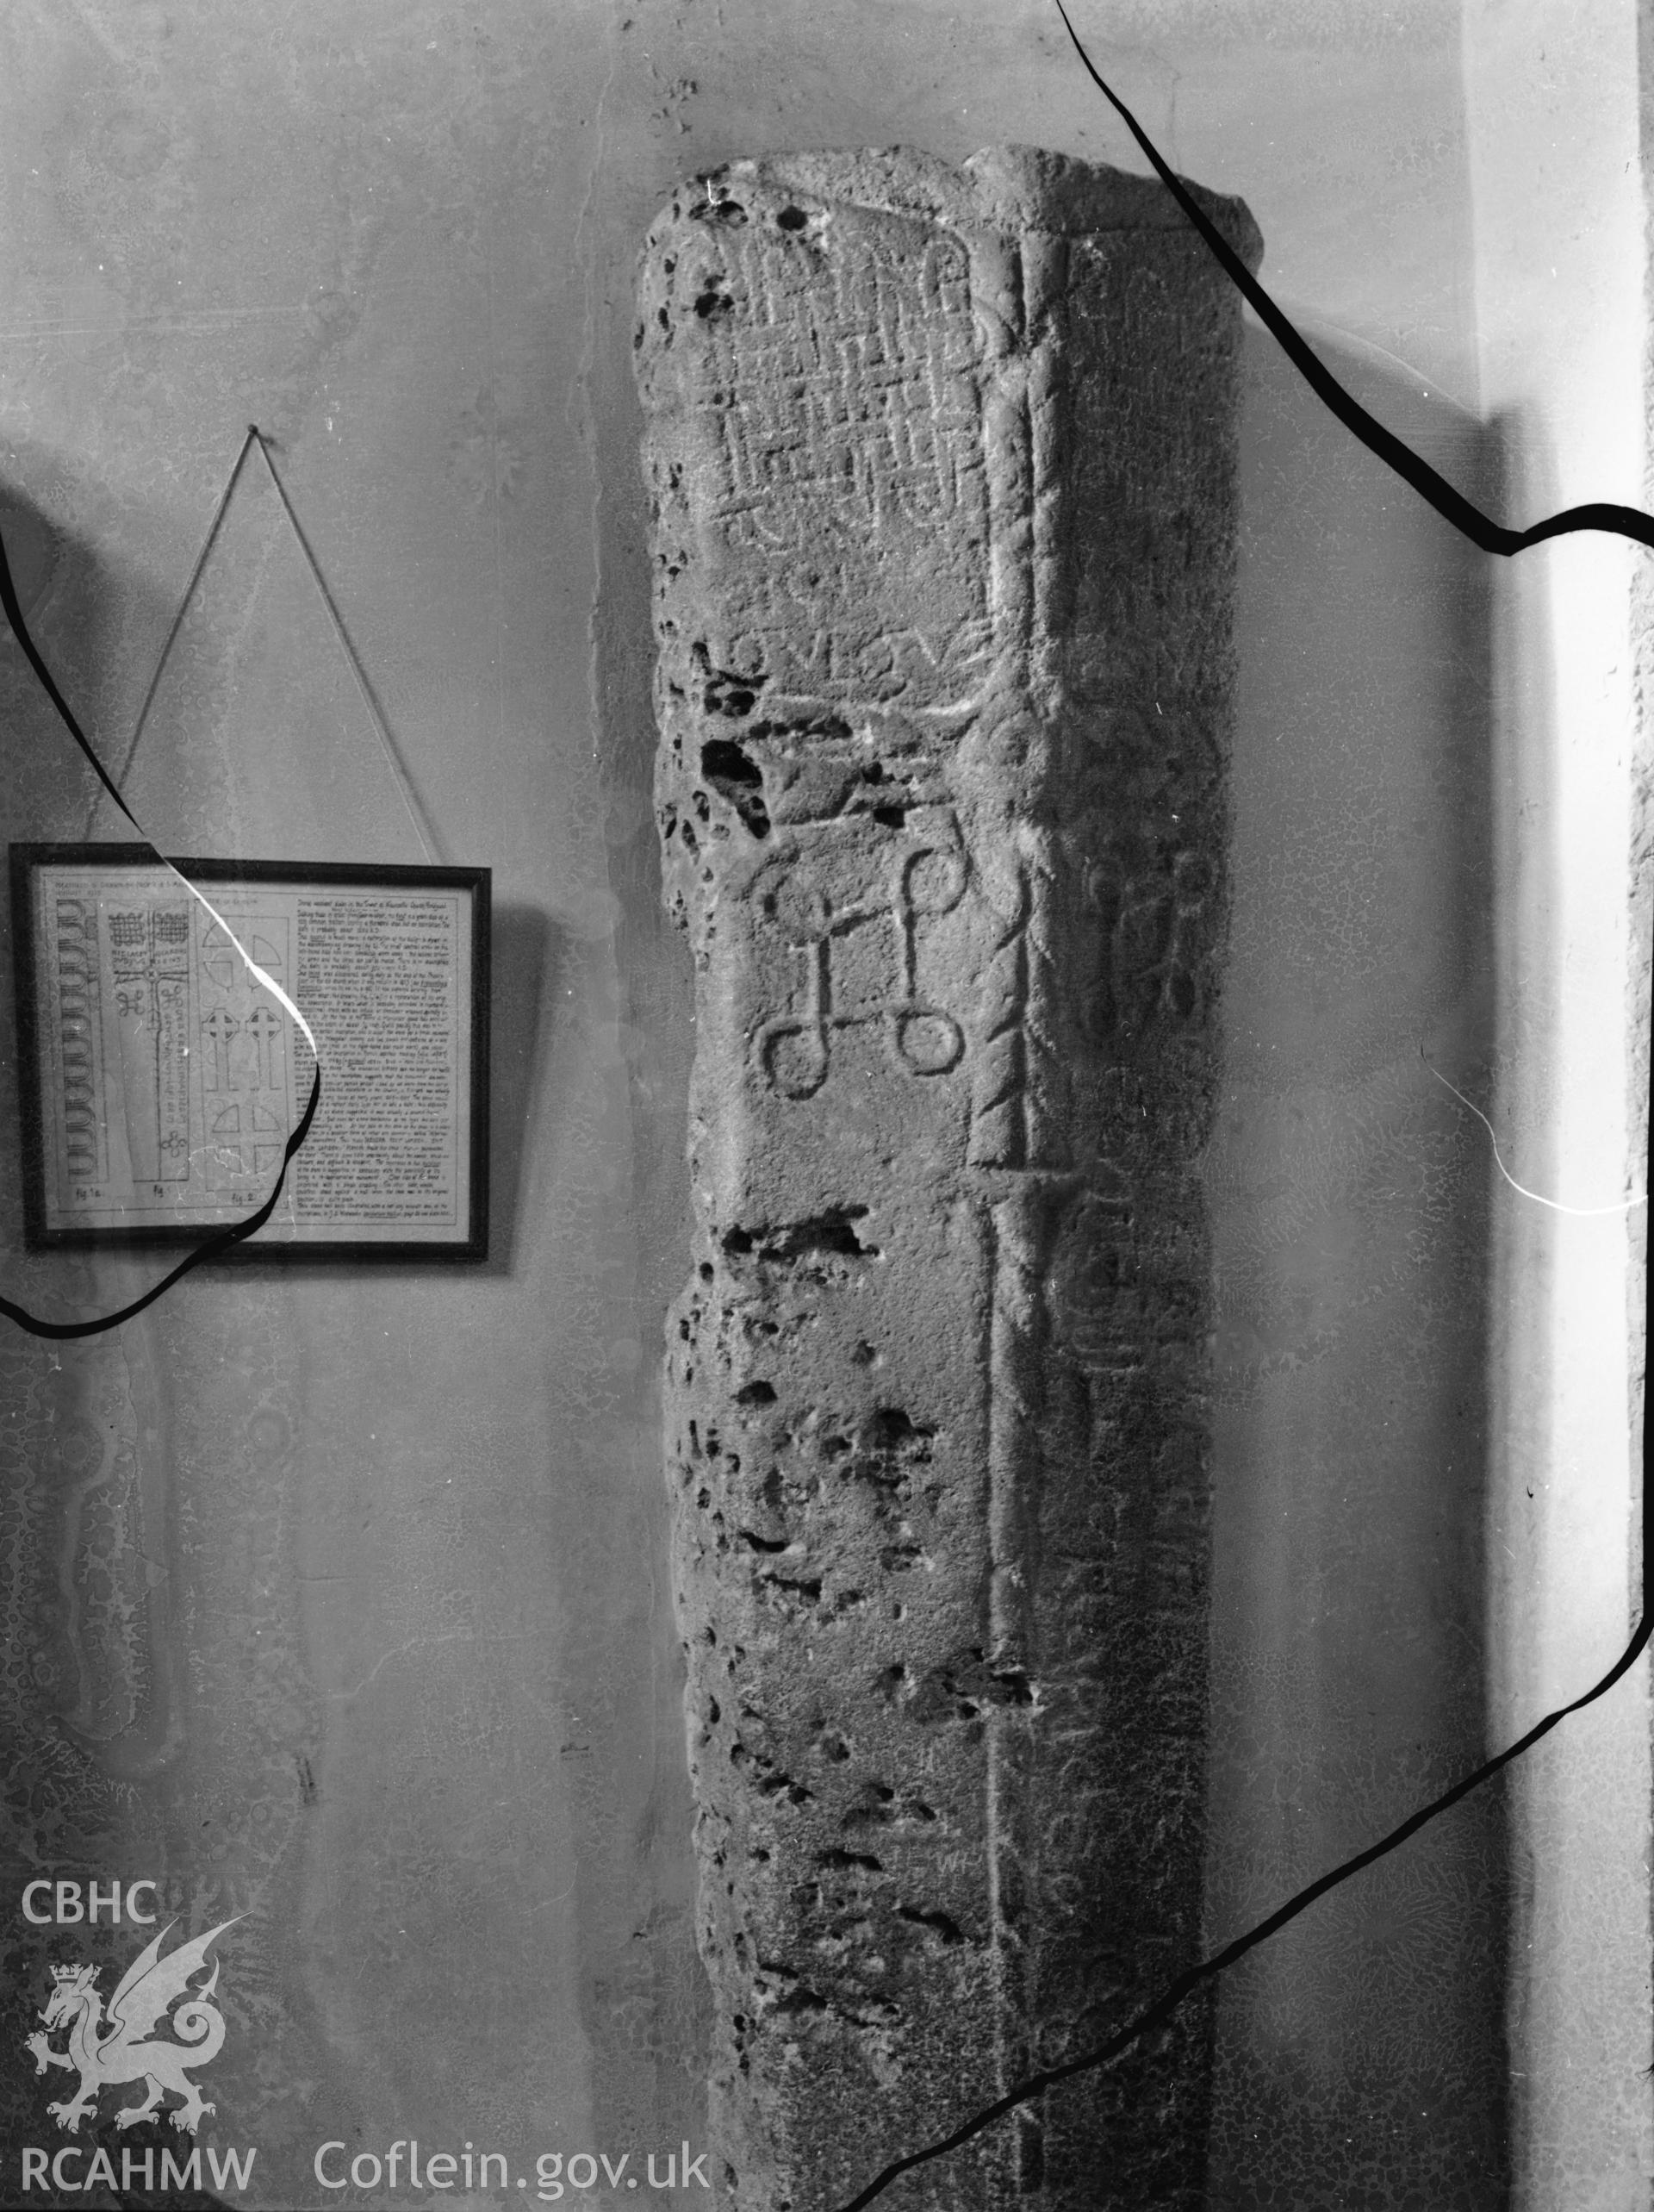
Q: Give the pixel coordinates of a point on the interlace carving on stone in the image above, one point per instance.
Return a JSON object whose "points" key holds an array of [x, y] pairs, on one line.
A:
{"points": [[851, 394]]}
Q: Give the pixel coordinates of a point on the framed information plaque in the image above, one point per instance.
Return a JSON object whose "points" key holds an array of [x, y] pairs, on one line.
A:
{"points": [[159, 1082]]}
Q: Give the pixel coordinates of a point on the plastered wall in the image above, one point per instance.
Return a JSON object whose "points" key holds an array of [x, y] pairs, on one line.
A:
{"points": [[336, 1597]]}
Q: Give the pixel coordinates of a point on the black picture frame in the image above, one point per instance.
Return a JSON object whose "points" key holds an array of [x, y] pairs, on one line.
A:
{"points": [[49, 1215]]}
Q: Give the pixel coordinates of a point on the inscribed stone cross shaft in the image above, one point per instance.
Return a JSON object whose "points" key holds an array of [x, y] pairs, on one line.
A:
{"points": [[942, 464]]}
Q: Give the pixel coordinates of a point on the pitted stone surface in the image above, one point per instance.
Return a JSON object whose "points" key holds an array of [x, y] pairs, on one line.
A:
{"points": [[942, 463]]}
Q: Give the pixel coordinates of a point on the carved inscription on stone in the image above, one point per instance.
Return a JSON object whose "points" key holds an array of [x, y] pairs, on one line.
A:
{"points": [[942, 691], [855, 394], [839, 431]]}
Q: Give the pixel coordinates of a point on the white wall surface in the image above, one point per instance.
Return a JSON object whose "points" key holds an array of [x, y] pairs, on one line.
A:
{"points": [[1558, 194]]}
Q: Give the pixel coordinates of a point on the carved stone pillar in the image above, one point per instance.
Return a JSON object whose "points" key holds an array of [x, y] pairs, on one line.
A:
{"points": [[942, 463]]}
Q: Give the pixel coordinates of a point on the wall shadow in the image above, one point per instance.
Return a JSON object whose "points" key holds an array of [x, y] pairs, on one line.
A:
{"points": [[522, 954], [87, 1715], [78, 613], [656, 1978], [1361, 2054]]}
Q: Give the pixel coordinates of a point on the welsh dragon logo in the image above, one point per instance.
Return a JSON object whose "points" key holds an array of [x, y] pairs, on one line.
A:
{"points": [[111, 2051]]}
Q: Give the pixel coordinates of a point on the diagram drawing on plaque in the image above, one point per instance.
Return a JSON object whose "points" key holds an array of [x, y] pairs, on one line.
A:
{"points": [[162, 1075], [245, 1060]]}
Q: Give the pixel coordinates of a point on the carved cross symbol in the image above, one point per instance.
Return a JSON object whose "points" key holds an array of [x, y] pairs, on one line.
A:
{"points": [[795, 1051], [264, 1027], [220, 1028]]}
